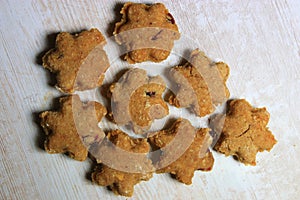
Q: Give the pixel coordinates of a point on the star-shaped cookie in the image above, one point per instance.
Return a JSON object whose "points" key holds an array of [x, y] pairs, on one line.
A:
{"points": [[184, 150], [73, 128], [244, 131], [78, 61], [137, 100], [124, 163], [200, 84], [147, 32]]}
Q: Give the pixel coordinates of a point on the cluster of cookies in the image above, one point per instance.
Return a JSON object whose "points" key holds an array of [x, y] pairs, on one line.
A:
{"points": [[147, 32]]}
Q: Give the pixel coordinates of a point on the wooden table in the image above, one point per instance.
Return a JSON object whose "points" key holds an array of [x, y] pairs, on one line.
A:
{"points": [[260, 40]]}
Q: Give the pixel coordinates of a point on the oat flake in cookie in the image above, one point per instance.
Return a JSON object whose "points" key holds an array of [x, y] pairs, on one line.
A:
{"points": [[146, 31]]}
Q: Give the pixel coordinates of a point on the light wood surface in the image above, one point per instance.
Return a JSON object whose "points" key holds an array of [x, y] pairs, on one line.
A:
{"points": [[260, 40]]}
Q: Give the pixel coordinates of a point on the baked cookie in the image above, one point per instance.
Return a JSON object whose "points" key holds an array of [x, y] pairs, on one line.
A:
{"points": [[146, 31], [78, 61], [243, 131], [124, 163], [136, 99], [184, 150], [73, 128], [200, 84]]}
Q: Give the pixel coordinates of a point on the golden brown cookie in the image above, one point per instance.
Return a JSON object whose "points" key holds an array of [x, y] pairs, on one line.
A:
{"points": [[201, 84], [184, 150], [78, 61], [137, 100], [124, 163], [73, 128], [147, 32], [243, 131]]}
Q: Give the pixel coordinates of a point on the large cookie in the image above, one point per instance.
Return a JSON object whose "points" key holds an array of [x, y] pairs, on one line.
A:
{"points": [[243, 131], [201, 84], [147, 32], [124, 163], [137, 100], [184, 150], [78, 61], [73, 128]]}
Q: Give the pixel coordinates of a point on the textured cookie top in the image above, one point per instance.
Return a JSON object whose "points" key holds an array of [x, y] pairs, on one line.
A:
{"points": [[123, 153], [137, 100], [121, 183], [136, 15], [201, 84], [124, 163], [147, 31], [243, 131], [73, 128], [78, 61], [184, 150]]}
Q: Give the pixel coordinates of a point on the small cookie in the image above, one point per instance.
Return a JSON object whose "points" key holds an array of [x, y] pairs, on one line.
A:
{"points": [[184, 150], [78, 61], [147, 32], [137, 100], [124, 163], [201, 84], [243, 131], [73, 128]]}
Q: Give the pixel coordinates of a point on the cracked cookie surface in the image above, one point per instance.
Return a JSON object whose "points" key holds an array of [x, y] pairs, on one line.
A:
{"points": [[73, 128], [146, 31], [78, 60], [201, 84], [244, 131]]}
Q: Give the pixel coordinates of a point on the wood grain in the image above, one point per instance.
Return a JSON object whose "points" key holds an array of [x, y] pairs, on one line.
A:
{"points": [[260, 40]]}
